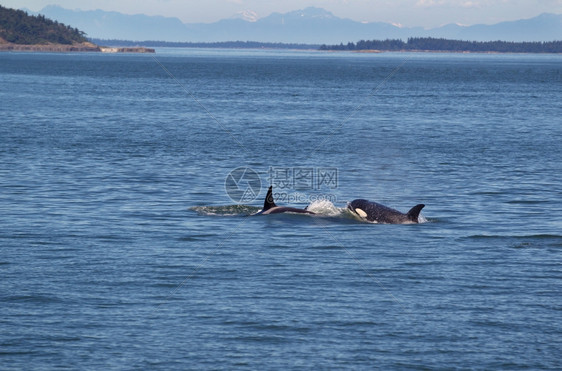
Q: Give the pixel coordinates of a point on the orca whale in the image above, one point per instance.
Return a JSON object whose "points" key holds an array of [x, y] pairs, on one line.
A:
{"points": [[377, 213], [269, 206]]}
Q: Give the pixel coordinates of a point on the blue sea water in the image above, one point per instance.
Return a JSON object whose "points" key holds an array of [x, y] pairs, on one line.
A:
{"points": [[123, 247]]}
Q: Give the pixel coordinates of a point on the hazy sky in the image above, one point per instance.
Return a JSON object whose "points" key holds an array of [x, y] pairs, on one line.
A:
{"points": [[426, 13]]}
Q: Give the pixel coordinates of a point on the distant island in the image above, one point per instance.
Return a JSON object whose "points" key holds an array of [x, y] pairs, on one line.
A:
{"points": [[430, 44], [20, 31], [211, 45]]}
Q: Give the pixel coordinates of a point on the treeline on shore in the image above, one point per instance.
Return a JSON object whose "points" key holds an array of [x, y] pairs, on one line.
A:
{"points": [[18, 27], [412, 44], [219, 45], [446, 45]]}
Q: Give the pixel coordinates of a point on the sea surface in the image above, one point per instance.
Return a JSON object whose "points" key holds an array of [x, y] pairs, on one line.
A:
{"points": [[128, 184]]}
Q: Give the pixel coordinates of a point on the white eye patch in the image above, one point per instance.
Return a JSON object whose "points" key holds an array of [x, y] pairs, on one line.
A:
{"points": [[361, 213]]}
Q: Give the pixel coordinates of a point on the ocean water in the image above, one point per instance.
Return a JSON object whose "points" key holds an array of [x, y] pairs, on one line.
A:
{"points": [[127, 183]]}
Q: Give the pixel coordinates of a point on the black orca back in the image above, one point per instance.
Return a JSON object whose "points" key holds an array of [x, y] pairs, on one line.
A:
{"points": [[375, 212]]}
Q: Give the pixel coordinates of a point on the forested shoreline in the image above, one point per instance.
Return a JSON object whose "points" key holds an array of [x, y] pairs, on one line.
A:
{"points": [[447, 45], [18, 27]]}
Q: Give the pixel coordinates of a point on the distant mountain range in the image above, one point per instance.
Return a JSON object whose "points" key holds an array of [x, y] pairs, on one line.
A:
{"points": [[308, 26]]}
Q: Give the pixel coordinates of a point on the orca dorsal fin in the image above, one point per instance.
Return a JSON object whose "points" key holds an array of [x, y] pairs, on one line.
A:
{"points": [[269, 203], [415, 212]]}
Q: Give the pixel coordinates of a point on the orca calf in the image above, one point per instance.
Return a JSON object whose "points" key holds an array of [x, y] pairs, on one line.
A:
{"points": [[378, 213], [269, 206]]}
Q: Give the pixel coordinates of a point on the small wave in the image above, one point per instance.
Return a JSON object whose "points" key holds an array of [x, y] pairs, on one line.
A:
{"points": [[526, 202], [227, 210], [34, 298], [530, 236]]}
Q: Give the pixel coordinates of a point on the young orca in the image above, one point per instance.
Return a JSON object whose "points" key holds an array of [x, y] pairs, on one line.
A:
{"points": [[378, 213], [269, 206]]}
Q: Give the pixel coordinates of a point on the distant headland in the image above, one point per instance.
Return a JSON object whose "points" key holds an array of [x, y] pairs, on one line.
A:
{"points": [[430, 44], [20, 31]]}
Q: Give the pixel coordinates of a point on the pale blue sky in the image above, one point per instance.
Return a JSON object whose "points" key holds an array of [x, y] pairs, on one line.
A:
{"points": [[410, 13]]}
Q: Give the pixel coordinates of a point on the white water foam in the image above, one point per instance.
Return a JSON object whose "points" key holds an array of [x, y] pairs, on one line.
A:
{"points": [[324, 208]]}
